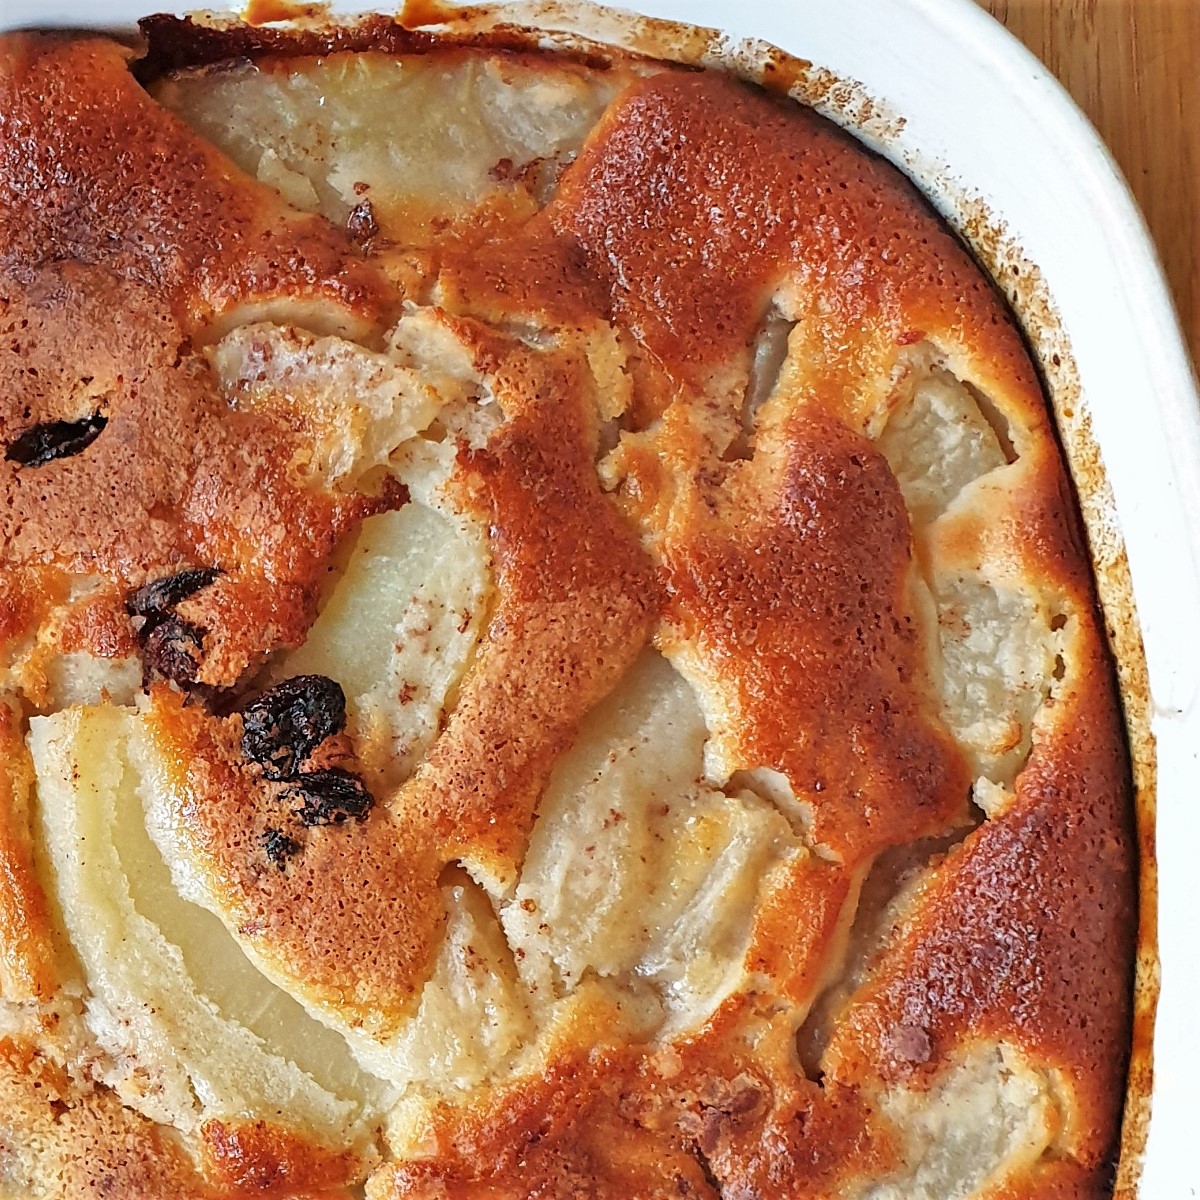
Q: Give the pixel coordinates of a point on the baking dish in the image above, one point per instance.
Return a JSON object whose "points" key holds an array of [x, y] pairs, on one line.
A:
{"points": [[944, 92]]}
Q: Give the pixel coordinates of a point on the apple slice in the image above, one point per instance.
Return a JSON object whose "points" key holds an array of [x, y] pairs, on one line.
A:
{"points": [[398, 632], [194, 1030], [636, 869]]}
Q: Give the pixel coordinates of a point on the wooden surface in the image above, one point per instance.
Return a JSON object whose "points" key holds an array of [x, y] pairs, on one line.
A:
{"points": [[1134, 68]]}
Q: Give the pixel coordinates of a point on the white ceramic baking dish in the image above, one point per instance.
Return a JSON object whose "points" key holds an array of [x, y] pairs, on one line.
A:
{"points": [[944, 91]]}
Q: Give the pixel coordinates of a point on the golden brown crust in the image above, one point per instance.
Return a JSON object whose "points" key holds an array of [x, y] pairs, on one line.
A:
{"points": [[255, 1158], [564, 1139], [1056, 1180], [773, 561], [29, 970], [174, 480], [1044, 882], [158, 207], [73, 1141], [814, 216], [98, 625], [701, 1110], [801, 591], [356, 919]]}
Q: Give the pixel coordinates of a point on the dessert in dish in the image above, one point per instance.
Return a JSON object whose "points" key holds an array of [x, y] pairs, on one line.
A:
{"points": [[546, 645]]}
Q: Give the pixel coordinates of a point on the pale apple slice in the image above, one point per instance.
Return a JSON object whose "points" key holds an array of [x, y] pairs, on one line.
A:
{"points": [[938, 441], [410, 141], [984, 1118], [350, 407], [993, 649], [636, 869], [398, 632], [997, 669], [474, 1011], [192, 1028]]}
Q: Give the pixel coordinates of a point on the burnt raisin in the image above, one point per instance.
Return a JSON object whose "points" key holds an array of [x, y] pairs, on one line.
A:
{"points": [[162, 595], [329, 797], [279, 847], [173, 650], [362, 225], [43, 443], [285, 725]]}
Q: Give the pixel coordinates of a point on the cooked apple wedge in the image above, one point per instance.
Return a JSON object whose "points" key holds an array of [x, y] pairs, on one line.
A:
{"points": [[398, 632], [372, 132], [595, 895], [938, 442], [192, 1028], [474, 1012]]}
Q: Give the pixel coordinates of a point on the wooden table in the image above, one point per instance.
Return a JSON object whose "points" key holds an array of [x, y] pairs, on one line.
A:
{"points": [[1134, 68]]}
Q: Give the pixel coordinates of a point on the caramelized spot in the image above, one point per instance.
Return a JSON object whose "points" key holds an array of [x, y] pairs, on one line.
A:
{"points": [[98, 625], [264, 12], [263, 1159], [173, 42]]}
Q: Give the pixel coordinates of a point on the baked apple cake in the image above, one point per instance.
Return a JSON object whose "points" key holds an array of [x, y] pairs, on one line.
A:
{"points": [[545, 642]]}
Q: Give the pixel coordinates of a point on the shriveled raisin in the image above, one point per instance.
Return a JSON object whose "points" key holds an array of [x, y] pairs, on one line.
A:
{"points": [[43, 443], [173, 650], [285, 725], [162, 595], [329, 797], [279, 847], [362, 225]]}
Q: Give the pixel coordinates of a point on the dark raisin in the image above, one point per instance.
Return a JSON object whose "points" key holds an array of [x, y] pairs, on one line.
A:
{"points": [[329, 797], [173, 650], [153, 599], [361, 224], [279, 847], [43, 443], [283, 726]]}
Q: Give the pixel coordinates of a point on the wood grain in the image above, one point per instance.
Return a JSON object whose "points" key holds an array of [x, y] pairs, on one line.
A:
{"points": [[1134, 68]]}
